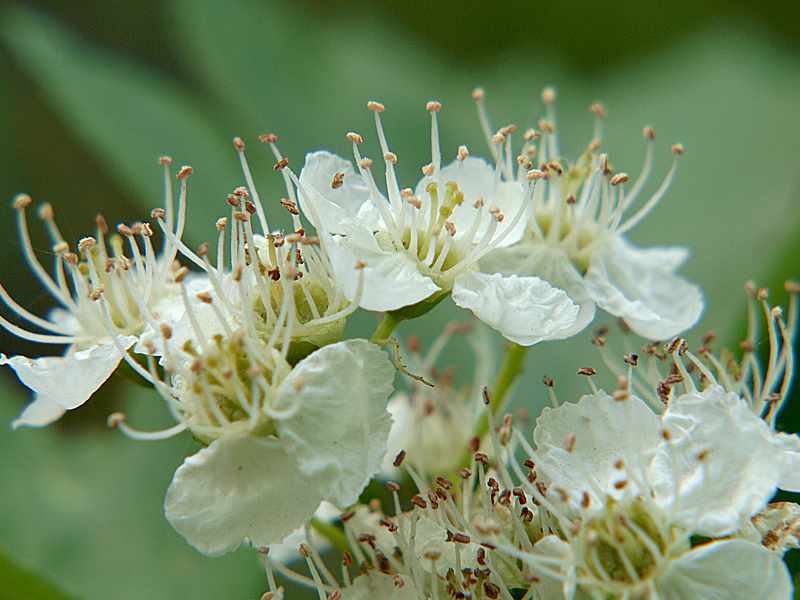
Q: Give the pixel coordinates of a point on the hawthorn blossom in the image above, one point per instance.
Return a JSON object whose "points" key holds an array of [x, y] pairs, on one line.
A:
{"points": [[108, 303], [422, 245], [575, 230]]}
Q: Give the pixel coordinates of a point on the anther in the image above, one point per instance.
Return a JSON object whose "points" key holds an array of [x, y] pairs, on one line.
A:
{"points": [[390, 157], [433, 106], [355, 137], [281, 164], [588, 371], [157, 214], [398, 460], [631, 359], [498, 139], [678, 149], [534, 174], [85, 244], [46, 212], [365, 163], [60, 247], [204, 297], [221, 223], [21, 201], [463, 153], [165, 161], [548, 95], [598, 110], [392, 486], [548, 381], [268, 138], [375, 106], [238, 143], [649, 133], [427, 170], [184, 172], [478, 94], [181, 274], [115, 419], [166, 331], [619, 178]]}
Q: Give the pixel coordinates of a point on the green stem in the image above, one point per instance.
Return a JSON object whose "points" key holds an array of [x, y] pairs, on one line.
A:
{"points": [[385, 328], [510, 370], [331, 533]]}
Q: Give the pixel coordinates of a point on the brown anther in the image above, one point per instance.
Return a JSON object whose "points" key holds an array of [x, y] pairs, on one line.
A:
{"points": [[390, 157], [791, 287], [571, 199], [534, 174], [548, 381], [479, 202], [392, 486], [433, 106], [588, 371], [427, 170], [184, 172], [181, 274], [599, 341], [450, 228], [238, 143], [335, 595], [86, 244], [464, 473], [365, 163], [666, 435], [620, 485], [418, 501], [354, 137], [482, 458], [498, 138], [304, 550], [290, 206], [71, 258], [631, 359], [156, 213], [649, 133], [462, 153], [703, 455], [548, 95], [598, 110], [678, 149], [21, 201], [569, 443], [268, 138], [115, 419], [461, 538], [46, 212], [165, 161], [281, 164], [398, 460], [95, 294], [123, 229], [347, 515], [250, 207], [347, 558], [204, 297], [375, 106], [619, 178], [478, 94], [586, 500], [546, 126], [221, 223], [166, 331], [474, 444], [443, 482]]}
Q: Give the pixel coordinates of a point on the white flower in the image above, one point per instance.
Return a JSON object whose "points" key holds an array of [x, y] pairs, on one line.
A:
{"points": [[434, 421], [575, 229], [109, 303], [424, 244], [644, 485], [280, 441]]}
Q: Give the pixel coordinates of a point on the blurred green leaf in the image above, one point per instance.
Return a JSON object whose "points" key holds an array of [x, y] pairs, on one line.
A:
{"points": [[21, 583], [128, 115]]}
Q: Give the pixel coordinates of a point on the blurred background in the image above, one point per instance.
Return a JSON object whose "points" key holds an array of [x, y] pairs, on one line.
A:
{"points": [[91, 93]]}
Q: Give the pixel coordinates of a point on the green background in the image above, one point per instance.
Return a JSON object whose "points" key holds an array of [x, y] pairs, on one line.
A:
{"points": [[91, 93]]}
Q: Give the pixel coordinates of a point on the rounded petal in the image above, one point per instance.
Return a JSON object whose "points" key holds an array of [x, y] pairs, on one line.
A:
{"points": [[548, 263], [641, 287], [719, 449], [334, 205], [727, 570], [70, 380], [476, 180], [339, 434], [578, 443], [526, 310], [240, 488], [391, 279]]}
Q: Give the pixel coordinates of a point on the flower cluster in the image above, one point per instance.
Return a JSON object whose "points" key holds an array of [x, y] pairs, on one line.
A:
{"points": [[657, 489]]}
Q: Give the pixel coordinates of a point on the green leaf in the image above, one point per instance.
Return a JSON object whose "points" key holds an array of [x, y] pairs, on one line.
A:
{"points": [[21, 583], [128, 115]]}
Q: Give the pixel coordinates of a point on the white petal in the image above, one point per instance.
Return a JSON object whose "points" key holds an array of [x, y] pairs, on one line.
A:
{"points": [[239, 488], [39, 413], [789, 456], [287, 550], [741, 461], [476, 179], [339, 434], [604, 431], [526, 310], [335, 205], [639, 285], [548, 263], [727, 570], [391, 279], [70, 380], [377, 586]]}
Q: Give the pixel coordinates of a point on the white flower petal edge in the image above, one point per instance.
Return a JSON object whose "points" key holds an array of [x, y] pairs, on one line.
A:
{"points": [[240, 488], [339, 434], [526, 310], [391, 279], [605, 430], [744, 461], [286, 551], [640, 286], [64, 381], [727, 570], [334, 205]]}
